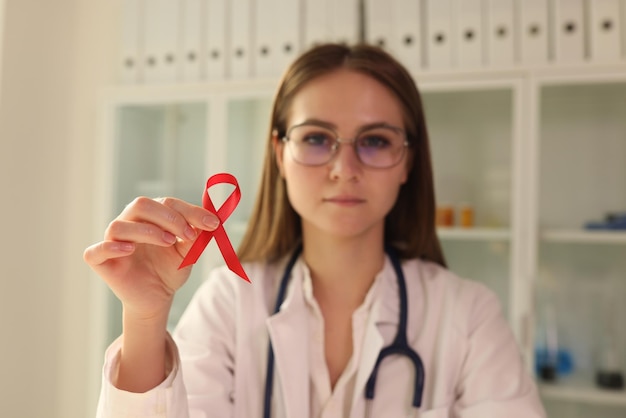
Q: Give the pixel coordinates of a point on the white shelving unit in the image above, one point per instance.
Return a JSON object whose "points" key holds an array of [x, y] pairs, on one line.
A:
{"points": [[530, 148]]}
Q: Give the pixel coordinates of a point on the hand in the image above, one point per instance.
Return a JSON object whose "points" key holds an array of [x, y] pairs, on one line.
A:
{"points": [[142, 249]]}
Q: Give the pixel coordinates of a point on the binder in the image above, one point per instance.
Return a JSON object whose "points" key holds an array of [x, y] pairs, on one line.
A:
{"points": [[439, 38], [191, 40], [623, 25], [569, 30], [215, 44], [500, 33], [405, 41], [316, 22], [469, 34], [161, 60], [344, 18], [265, 30], [130, 57], [378, 22], [605, 27], [533, 31], [240, 39], [288, 42]]}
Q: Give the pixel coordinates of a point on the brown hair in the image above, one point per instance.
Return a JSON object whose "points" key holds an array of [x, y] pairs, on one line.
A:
{"points": [[274, 227]]}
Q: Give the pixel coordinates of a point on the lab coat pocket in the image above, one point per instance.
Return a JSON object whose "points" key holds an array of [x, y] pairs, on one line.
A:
{"points": [[442, 412]]}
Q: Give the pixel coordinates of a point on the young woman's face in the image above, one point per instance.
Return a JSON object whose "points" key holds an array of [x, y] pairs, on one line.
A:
{"points": [[343, 197]]}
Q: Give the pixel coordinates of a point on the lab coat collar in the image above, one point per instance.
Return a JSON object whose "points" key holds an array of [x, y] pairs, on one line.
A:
{"points": [[289, 334], [384, 312], [289, 331]]}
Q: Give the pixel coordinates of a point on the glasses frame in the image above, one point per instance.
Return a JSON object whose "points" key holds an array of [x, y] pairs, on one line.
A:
{"points": [[353, 141]]}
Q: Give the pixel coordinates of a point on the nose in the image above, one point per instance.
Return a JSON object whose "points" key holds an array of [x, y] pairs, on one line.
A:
{"points": [[345, 163]]}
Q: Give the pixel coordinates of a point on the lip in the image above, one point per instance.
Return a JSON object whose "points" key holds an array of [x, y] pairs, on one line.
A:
{"points": [[345, 200]]}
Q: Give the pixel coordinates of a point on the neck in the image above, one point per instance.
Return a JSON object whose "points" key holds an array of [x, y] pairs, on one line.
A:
{"points": [[343, 270]]}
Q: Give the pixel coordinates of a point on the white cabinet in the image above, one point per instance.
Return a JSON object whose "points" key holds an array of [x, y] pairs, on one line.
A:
{"points": [[537, 153], [581, 273]]}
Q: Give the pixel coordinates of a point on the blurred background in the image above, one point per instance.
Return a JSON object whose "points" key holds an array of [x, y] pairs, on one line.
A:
{"points": [[526, 108]]}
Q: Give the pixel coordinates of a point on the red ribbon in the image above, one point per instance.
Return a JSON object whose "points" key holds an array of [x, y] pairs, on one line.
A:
{"points": [[221, 238]]}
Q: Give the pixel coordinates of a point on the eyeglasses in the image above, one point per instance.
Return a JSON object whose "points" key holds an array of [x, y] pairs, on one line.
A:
{"points": [[379, 146]]}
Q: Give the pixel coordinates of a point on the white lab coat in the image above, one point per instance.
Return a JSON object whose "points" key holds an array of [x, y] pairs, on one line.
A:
{"points": [[473, 368]]}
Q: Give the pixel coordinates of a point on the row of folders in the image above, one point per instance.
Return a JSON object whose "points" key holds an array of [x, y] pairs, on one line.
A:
{"points": [[166, 41]]}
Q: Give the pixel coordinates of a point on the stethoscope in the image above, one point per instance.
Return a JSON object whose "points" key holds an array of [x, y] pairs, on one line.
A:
{"points": [[399, 345]]}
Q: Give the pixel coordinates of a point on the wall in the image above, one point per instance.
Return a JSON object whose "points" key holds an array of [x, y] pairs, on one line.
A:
{"points": [[56, 55]]}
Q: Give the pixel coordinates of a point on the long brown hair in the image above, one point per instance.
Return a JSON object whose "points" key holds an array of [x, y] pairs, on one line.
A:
{"points": [[274, 228]]}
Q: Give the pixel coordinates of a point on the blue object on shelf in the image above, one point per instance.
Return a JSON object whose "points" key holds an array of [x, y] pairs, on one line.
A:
{"points": [[564, 362], [613, 221]]}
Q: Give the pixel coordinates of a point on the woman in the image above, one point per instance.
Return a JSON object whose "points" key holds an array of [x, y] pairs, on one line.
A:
{"points": [[347, 173]]}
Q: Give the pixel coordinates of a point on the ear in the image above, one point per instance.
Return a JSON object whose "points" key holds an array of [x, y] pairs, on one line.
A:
{"points": [[278, 146]]}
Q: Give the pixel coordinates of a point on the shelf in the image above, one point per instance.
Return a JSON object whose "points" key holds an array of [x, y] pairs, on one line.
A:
{"points": [[577, 236], [578, 389], [474, 234]]}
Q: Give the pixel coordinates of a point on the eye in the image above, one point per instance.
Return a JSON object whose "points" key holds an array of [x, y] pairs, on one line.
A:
{"points": [[374, 140], [315, 138]]}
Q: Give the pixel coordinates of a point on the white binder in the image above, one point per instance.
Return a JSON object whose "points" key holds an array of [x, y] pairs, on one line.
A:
{"points": [[130, 59], [623, 17], [569, 30], [240, 39], [316, 22], [265, 38], [469, 33], [406, 40], [378, 22], [215, 44], [500, 33], [439, 34], [288, 43], [161, 60], [191, 40], [605, 27], [533, 31], [344, 18]]}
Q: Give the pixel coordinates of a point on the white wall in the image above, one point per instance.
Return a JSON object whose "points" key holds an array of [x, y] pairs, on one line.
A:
{"points": [[56, 55]]}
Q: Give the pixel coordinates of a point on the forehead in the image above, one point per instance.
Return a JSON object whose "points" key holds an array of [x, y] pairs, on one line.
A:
{"points": [[347, 99]]}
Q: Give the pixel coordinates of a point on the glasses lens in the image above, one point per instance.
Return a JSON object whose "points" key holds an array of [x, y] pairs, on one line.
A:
{"points": [[381, 147], [311, 145]]}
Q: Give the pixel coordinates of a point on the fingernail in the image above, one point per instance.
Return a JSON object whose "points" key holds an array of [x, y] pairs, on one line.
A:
{"points": [[125, 246], [189, 233], [211, 221], [169, 238]]}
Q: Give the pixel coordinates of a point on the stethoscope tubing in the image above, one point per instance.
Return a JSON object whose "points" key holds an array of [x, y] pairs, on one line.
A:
{"points": [[399, 346]]}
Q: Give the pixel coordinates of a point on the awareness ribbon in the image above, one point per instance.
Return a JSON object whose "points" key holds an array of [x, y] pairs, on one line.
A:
{"points": [[221, 238]]}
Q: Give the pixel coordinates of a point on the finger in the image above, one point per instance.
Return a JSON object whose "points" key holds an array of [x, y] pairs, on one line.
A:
{"points": [[196, 216], [138, 232], [173, 215], [101, 252]]}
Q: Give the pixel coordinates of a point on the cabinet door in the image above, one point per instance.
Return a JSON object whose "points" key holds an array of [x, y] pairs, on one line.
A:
{"points": [[582, 268], [248, 124], [472, 141], [158, 150]]}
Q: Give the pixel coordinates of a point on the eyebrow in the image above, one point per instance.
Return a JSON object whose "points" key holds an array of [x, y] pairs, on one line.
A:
{"points": [[332, 126]]}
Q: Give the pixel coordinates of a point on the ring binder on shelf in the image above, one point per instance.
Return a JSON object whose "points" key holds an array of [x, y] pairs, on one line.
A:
{"points": [[533, 31], [406, 40], [191, 40], [604, 30], [568, 27], [501, 33], [469, 34], [161, 59], [130, 60], [239, 43], [439, 39], [215, 46]]}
